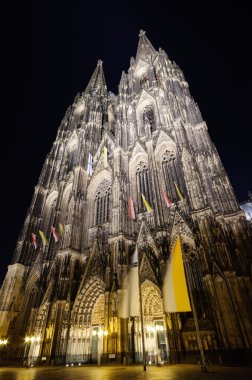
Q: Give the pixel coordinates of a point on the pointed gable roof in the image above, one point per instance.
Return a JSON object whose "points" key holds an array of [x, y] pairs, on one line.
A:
{"points": [[100, 166], [97, 82], [107, 141], [145, 238], [146, 271], [139, 148], [163, 136], [179, 226]]}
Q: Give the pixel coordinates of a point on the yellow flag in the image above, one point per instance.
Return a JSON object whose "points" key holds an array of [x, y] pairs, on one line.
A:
{"points": [[179, 193], [44, 239], [105, 155], [175, 291], [148, 207], [61, 229]]}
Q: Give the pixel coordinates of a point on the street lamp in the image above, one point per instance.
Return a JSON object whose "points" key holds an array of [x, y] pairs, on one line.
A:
{"points": [[30, 340], [159, 328], [155, 330], [3, 343], [100, 333]]}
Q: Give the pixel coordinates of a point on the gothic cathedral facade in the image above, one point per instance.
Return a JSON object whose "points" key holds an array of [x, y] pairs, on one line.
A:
{"points": [[59, 302]]}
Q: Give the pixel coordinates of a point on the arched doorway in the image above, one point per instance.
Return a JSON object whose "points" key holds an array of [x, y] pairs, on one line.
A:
{"points": [[84, 343], [156, 344], [155, 334]]}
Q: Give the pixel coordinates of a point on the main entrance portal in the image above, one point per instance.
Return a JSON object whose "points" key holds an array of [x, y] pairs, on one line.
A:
{"points": [[92, 335]]}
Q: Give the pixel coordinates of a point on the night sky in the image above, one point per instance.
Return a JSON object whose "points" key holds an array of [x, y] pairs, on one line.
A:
{"points": [[50, 49]]}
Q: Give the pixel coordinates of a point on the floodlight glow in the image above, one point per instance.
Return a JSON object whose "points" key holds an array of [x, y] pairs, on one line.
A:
{"points": [[3, 341], [150, 328]]}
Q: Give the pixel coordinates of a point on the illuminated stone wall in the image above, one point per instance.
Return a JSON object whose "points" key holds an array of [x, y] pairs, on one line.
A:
{"points": [[69, 293]]}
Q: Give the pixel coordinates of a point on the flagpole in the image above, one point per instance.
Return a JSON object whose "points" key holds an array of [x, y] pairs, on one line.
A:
{"points": [[141, 314], [195, 316], [175, 336]]}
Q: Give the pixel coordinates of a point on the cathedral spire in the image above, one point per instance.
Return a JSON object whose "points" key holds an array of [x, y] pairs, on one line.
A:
{"points": [[144, 46], [97, 82]]}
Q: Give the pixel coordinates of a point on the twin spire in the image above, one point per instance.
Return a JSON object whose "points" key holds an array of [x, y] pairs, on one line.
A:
{"points": [[144, 46], [97, 83]]}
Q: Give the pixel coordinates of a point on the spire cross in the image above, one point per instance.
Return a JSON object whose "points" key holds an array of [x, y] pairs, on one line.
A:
{"points": [[142, 33], [100, 62]]}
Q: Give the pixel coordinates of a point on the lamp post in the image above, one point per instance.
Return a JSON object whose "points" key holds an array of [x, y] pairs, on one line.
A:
{"points": [[155, 331], [158, 328], [100, 333], [150, 330], [3, 343], [29, 340]]}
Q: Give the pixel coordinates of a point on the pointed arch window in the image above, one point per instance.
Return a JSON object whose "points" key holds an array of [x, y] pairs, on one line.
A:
{"points": [[49, 213], [144, 81], [71, 160], [102, 202], [144, 186], [172, 174], [149, 117]]}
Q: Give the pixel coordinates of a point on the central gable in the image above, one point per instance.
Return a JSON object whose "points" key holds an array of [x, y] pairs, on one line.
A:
{"points": [[138, 150]]}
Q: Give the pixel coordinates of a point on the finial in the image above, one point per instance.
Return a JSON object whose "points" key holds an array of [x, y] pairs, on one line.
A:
{"points": [[142, 33], [100, 62]]}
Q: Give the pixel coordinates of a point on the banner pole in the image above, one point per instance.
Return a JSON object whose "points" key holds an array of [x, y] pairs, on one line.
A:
{"points": [[195, 317], [141, 314]]}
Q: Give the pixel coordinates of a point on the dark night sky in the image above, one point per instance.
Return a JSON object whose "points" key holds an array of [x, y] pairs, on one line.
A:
{"points": [[49, 50]]}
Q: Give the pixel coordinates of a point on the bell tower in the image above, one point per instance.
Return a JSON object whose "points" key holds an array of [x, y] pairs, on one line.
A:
{"points": [[147, 147]]}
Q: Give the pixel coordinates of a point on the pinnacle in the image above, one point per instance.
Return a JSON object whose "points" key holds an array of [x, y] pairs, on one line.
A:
{"points": [[97, 82], [145, 47]]}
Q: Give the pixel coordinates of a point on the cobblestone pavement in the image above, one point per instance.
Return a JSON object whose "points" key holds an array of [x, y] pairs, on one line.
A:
{"points": [[172, 372]]}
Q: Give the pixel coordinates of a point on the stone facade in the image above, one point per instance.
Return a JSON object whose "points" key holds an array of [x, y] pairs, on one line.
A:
{"points": [[64, 293]]}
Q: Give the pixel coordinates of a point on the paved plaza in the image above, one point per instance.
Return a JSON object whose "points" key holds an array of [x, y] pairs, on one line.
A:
{"points": [[172, 372]]}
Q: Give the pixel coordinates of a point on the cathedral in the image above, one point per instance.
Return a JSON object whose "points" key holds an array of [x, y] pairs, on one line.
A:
{"points": [[136, 169]]}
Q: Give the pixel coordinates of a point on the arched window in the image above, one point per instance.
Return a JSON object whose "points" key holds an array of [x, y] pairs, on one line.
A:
{"points": [[172, 174], [49, 213], [72, 149], [144, 81], [149, 117], [102, 202], [143, 180]]}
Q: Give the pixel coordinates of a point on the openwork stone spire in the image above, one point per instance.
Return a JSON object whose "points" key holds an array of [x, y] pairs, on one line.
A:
{"points": [[144, 46], [97, 83]]}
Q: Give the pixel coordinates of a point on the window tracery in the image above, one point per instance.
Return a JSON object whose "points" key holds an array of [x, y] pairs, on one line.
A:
{"points": [[143, 81], [102, 200], [149, 117], [143, 180], [171, 175]]}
